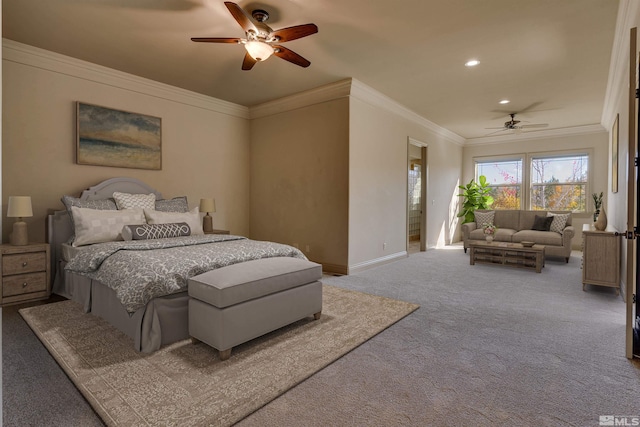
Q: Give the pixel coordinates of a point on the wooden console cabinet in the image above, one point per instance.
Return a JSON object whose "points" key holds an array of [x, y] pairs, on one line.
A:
{"points": [[600, 258]]}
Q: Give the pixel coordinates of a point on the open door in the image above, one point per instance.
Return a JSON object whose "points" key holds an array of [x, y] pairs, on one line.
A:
{"points": [[633, 210]]}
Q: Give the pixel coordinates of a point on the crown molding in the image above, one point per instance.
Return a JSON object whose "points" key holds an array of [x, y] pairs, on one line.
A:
{"points": [[329, 92], [618, 67], [371, 96], [356, 89], [55, 62], [541, 134]]}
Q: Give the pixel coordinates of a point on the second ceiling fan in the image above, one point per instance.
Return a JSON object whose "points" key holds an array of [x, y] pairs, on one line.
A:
{"points": [[515, 125], [261, 41]]}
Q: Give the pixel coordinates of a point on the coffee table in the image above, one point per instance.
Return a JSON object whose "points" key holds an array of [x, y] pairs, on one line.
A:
{"points": [[509, 254]]}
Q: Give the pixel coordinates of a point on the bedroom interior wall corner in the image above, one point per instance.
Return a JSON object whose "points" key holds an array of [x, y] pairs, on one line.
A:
{"points": [[299, 180]]}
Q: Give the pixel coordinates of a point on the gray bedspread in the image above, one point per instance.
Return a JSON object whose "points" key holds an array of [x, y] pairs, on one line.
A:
{"points": [[140, 270]]}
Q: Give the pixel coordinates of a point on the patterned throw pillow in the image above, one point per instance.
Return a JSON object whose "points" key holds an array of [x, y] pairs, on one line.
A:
{"points": [[484, 218], [97, 226], [192, 218], [177, 204], [559, 221], [155, 231], [132, 201]]}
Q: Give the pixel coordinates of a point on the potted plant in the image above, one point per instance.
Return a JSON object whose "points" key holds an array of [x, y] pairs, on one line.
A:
{"points": [[597, 201], [476, 196]]}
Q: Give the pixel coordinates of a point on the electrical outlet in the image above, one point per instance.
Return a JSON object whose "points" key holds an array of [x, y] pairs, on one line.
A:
{"points": [[384, 246], [308, 248]]}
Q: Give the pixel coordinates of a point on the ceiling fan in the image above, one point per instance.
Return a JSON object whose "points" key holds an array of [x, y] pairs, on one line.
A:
{"points": [[515, 125], [261, 41]]}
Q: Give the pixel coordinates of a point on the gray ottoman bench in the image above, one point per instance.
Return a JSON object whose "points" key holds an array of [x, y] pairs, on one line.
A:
{"points": [[234, 304]]}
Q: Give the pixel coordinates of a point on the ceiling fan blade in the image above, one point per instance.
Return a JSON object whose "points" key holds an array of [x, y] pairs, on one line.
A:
{"points": [[295, 32], [538, 125], [216, 39], [498, 131], [248, 62], [291, 56], [241, 16]]}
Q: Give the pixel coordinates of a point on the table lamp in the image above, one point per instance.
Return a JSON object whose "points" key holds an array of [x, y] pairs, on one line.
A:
{"points": [[207, 205], [19, 207]]}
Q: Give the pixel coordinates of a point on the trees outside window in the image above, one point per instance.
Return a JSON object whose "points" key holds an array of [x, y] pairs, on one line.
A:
{"points": [[505, 179], [543, 182]]}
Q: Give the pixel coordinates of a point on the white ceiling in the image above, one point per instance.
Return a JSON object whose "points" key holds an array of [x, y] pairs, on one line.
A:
{"points": [[552, 54]]}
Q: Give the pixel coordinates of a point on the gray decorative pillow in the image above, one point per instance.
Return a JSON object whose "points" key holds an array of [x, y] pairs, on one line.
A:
{"points": [[542, 223], [484, 218], [559, 221], [155, 231], [177, 204]]}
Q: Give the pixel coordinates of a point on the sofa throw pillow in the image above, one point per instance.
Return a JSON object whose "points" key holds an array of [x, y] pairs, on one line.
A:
{"points": [[177, 204], [192, 218], [542, 223], [97, 226], [132, 201], [559, 221], [155, 231], [484, 218]]}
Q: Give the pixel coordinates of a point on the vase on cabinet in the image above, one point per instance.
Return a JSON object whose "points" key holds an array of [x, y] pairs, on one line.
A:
{"points": [[601, 222]]}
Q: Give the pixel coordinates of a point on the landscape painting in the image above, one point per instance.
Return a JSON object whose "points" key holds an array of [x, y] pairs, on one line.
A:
{"points": [[107, 137]]}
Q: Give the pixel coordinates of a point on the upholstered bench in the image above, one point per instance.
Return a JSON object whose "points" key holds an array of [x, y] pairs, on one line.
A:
{"points": [[234, 304]]}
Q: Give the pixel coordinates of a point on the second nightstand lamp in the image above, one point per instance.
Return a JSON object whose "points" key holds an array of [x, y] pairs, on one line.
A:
{"points": [[208, 206], [19, 207]]}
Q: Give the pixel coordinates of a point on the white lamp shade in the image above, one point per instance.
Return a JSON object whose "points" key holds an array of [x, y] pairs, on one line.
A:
{"points": [[258, 50], [207, 205], [19, 207]]}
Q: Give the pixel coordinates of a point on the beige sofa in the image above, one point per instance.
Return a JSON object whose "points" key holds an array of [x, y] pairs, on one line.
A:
{"points": [[515, 226]]}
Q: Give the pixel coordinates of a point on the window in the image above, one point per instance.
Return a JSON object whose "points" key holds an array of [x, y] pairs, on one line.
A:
{"points": [[505, 179], [538, 181], [559, 183]]}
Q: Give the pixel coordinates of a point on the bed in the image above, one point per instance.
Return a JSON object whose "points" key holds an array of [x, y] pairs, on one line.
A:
{"points": [[147, 301]]}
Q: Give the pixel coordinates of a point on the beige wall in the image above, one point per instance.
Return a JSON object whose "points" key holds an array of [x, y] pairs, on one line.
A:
{"points": [[300, 182], [378, 175], [205, 153], [595, 143]]}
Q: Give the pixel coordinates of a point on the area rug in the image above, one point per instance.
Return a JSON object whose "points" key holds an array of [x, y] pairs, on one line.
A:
{"points": [[186, 384]]}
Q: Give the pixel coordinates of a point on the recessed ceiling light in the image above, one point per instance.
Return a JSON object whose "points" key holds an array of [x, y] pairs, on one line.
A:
{"points": [[471, 63], [505, 101]]}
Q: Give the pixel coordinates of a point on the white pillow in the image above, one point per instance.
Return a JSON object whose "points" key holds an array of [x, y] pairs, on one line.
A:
{"points": [[559, 221], [132, 201], [97, 226], [192, 218]]}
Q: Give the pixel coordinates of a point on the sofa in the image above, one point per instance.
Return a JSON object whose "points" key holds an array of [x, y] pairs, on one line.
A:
{"points": [[516, 226]]}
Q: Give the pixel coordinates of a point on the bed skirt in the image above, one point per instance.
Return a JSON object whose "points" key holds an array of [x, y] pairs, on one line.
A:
{"points": [[162, 321]]}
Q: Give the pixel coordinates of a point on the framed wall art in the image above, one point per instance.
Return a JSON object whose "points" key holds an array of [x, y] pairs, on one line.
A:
{"points": [[614, 156], [108, 137]]}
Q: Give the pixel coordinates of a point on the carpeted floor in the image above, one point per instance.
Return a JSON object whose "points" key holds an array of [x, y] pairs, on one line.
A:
{"points": [[489, 346]]}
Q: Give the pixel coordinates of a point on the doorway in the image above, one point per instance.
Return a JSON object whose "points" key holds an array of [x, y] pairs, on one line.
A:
{"points": [[417, 197]]}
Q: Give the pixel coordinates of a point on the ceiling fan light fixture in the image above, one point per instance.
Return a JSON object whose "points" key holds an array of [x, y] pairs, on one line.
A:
{"points": [[504, 101], [260, 51], [471, 63]]}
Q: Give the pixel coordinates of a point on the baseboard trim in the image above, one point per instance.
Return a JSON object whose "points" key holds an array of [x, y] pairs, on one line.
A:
{"points": [[340, 270], [376, 262]]}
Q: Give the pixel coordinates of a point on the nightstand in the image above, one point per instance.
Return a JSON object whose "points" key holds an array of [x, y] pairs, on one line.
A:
{"points": [[217, 232], [25, 273]]}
